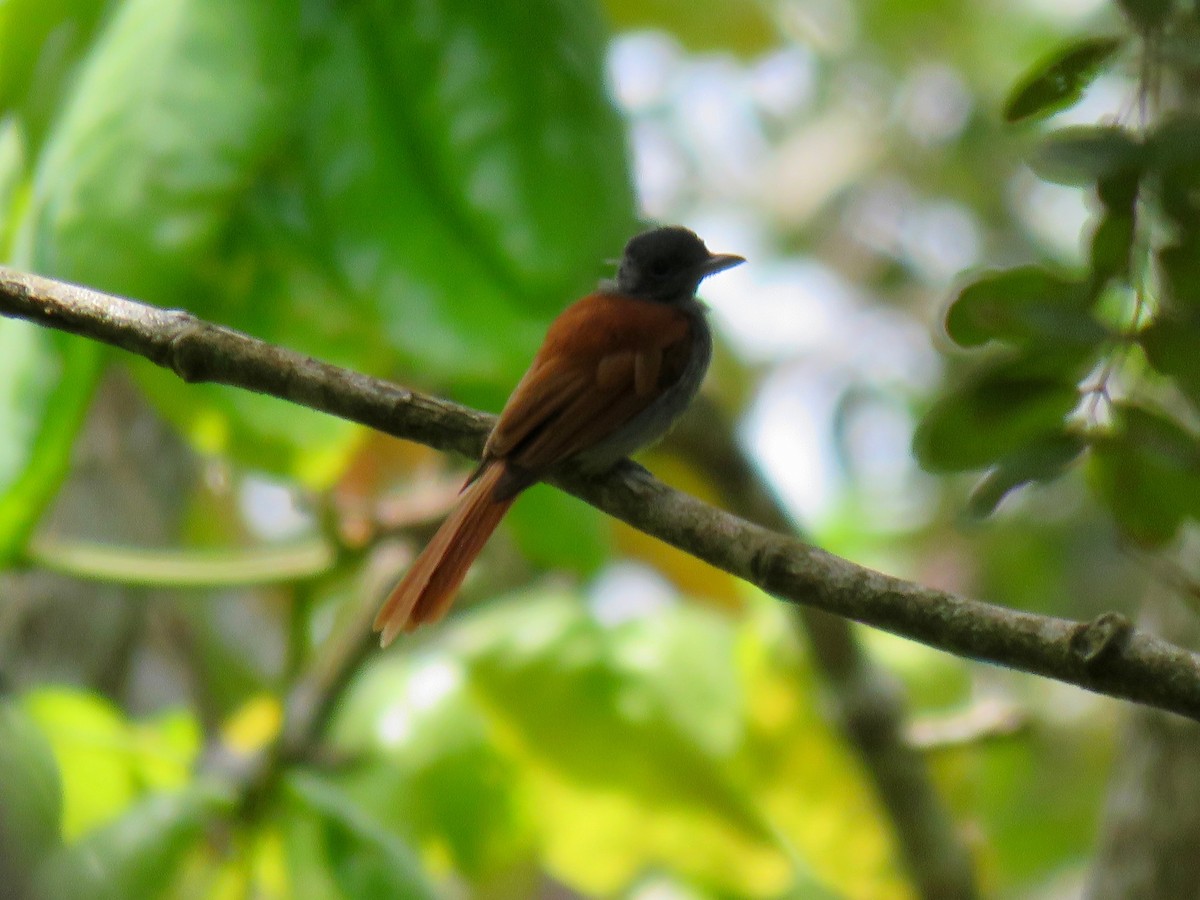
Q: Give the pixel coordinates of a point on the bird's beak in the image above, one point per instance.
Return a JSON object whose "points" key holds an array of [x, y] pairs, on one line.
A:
{"points": [[719, 262]]}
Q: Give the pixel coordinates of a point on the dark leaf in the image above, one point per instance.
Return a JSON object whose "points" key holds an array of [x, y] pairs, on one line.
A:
{"points": [[1044, 459], [1054, 362], [1173, 347], [1175, 146], [1148, 472], [1160, 436], [996, 414], [1175, 143], [1084, 154], [1118, 192], [1022, 306], [1179, 197], [1059, 81], [1112, 242], [1180, 266]]}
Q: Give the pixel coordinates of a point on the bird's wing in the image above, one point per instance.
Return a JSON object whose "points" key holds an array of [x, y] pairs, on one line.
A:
{"points": [[604, 360]]}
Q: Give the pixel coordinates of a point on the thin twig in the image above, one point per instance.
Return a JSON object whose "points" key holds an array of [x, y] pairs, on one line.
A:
{"points": [[155, 567]]}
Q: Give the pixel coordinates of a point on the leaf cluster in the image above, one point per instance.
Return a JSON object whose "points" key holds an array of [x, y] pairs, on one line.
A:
{"points": [[1099, 364]]}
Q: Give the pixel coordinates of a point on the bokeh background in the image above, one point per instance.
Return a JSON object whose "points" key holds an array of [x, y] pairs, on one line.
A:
{"points": [[192, 705]]}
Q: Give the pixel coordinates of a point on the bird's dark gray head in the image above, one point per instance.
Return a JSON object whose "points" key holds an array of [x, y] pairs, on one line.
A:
{"points": [[668, 264]]}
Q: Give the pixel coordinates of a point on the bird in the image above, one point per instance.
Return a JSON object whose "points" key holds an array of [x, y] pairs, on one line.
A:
{"points": [[615, 370]]}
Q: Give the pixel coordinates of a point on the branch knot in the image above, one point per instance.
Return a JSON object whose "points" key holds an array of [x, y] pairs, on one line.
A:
{"points": [[1094, 643], [188, 354], [769, 563]]}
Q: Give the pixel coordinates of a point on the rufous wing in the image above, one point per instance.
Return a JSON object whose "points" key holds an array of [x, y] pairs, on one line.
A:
{"points": [[605, 359]]}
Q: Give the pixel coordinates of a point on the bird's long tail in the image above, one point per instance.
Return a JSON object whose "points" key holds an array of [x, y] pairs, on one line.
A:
{"points": [[428, 588]]}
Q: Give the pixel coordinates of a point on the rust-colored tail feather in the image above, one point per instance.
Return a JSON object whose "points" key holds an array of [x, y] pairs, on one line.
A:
{"points": [[428, 588]]}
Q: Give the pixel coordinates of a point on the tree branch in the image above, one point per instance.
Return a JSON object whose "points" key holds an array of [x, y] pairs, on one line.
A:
{"points": [[1108, 655]]}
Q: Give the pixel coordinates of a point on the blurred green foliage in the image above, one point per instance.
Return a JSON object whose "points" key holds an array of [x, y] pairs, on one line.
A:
{"points": [[603, 753], [1061, 81], [412, 189], [1145, 454]]}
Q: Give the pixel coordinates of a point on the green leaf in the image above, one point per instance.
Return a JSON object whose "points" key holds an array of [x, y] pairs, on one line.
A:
{"points": [[647, 674], [1179, 262], [30, 799], [432, 771], [139, 854], [1060, 81], [1112, 240], [1148, 473], [1084, 154], [1043, 460], [417, 218], [1022, 306], [399, 213], [1011, 783], [89, 738], [1111, 245], [1118, 192], [456, 210], [365, 859], [1170, 344], [105, 761], [994, 415], [1161, 436], [625, 736], [176, 107], [1173, 143], [269, 279], [1175, 147]]}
